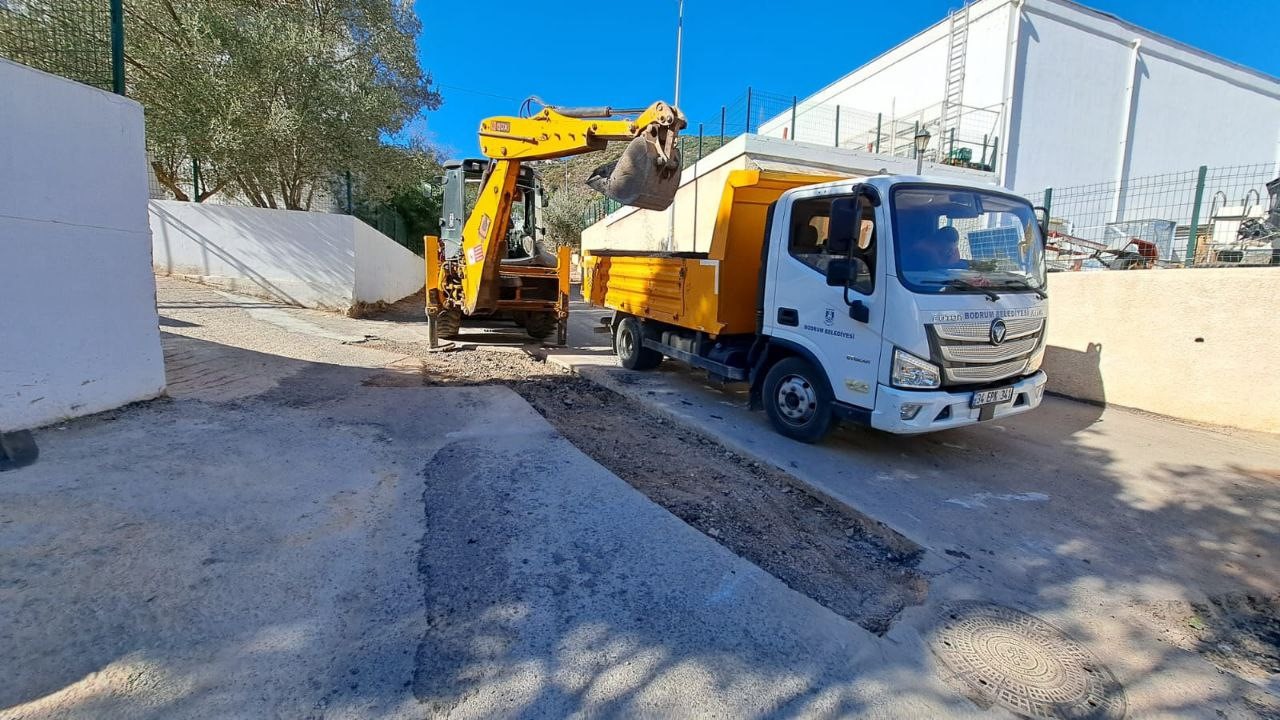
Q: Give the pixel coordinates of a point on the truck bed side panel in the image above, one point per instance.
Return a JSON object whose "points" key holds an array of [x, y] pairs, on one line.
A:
{"points": [[651, 287], [714, 293]]}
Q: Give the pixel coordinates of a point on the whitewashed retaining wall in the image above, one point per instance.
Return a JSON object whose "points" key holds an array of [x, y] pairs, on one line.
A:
{"points": [[1193, 344], [318, 260], [78, 330]]}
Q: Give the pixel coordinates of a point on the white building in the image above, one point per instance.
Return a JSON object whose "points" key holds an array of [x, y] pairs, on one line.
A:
{"points": [[1049, 93]]}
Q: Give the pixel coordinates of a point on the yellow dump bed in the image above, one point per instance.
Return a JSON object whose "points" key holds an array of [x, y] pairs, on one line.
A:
{"points": [[714, 292]]}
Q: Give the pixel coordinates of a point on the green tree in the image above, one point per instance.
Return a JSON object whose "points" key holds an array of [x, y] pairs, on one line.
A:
{"points": [[279, 98], [568, 198]]}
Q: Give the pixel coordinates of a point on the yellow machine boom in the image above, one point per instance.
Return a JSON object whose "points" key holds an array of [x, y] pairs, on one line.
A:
{"points": [[646, 175]]}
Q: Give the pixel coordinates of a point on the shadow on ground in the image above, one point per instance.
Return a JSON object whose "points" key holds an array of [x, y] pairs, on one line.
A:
{"points": [[345, 544]]}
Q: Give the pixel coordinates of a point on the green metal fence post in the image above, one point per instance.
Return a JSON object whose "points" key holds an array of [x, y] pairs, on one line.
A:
{"points": [[1194, 230], [722, 111], [793, 117], [350, 204], [837, 126], [914, 152], [879, 118], [1048, 206], [117, 46], [748, 109], [984, 150], [699, 141], [195, 180], [951, 142]]}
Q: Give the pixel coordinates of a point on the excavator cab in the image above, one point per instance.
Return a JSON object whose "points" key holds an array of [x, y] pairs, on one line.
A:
{"points": [[461, 186]]}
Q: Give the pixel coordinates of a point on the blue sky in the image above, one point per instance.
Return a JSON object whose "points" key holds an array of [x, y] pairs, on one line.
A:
{"points": [[487, 57]]}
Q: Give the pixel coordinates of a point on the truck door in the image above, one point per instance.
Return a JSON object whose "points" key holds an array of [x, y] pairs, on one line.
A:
{"points": [[800, 308]]}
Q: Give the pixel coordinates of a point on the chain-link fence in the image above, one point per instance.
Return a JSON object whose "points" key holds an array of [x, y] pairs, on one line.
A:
{"points": [[1208, 217], [968, 137], [77, 39]]}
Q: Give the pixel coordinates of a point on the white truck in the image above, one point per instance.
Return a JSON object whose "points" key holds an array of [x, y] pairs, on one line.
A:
{"points": [[904, 303]]}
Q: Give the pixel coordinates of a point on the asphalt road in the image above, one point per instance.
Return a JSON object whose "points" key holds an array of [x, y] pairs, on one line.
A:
{"points": [[287, 537], [303, 529], [1112, 524]]}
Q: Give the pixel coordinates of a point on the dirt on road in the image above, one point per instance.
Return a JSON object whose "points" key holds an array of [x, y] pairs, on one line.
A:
{"points": [[851, 564]]}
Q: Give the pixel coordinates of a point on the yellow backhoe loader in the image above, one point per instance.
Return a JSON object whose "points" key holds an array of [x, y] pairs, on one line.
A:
{"points": [[474, 280]]}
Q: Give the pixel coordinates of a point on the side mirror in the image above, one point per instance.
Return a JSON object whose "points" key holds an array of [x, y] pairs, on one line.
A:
{"points": [[843, 226], [841, 271], [1042, 218]]}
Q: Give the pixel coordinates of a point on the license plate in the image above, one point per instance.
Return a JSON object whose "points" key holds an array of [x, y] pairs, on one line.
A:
{"points": [[992, 397]]}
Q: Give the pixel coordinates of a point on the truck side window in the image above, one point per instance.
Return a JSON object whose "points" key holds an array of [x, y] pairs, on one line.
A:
{"points": [[810, 220]]}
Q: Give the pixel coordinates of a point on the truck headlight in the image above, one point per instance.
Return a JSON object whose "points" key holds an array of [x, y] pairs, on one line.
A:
{"points": [[910, 371], [1037, 359]]}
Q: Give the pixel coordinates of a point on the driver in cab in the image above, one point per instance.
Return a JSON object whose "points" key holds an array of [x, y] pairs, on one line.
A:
{"points": [[937, 250]]}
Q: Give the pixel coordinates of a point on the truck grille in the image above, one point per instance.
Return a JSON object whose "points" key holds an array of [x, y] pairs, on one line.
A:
{"points": [[986, 353], [965, 352], [1017, 327]]}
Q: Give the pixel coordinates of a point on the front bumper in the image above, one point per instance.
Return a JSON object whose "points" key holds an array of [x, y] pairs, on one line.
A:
{"points": [[940, 410]]}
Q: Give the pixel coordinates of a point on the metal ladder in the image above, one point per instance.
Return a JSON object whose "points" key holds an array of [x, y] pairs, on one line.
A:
{"points": [[957, 50]]}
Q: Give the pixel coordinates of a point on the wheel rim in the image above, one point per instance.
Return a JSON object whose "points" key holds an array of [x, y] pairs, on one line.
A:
{"points": [[626, 343], [797, 401]]}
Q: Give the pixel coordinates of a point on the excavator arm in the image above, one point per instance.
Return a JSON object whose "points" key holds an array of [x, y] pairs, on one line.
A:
{"points": [[646, 175]]}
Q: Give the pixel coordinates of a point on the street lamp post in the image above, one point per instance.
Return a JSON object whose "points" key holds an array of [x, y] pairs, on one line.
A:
{"points": [[922, 143]]}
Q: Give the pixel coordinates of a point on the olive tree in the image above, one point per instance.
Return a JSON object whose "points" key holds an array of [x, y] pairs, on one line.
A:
{"points": [[277, 99]]}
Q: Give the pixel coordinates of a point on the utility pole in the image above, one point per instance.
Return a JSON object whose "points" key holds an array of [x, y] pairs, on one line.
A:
{"points": [[679, 48], [671, 213]]}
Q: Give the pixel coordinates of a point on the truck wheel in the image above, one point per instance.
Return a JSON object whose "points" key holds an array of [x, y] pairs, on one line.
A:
{"points": [[797, 400], [448, 323], [628, 342], [540, 324]]}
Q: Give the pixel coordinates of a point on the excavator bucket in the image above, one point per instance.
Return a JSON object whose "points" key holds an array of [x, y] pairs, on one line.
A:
{"points": [[642, 177]]}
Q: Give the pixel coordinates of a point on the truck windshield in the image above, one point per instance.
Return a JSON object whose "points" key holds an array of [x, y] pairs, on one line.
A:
{"points": [[958, 240]]}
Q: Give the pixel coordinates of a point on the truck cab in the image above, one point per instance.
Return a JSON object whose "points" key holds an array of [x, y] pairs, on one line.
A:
{"points": [[909, 305], [903, 303]]}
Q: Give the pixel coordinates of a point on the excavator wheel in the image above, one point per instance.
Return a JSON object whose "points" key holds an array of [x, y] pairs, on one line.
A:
{"points": [[448, 323], [540, 325]]}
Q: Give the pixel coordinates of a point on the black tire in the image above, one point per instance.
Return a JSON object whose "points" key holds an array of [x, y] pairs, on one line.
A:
{"points": [[798, 400], [448, 324], [540, 325], [628, 343]]}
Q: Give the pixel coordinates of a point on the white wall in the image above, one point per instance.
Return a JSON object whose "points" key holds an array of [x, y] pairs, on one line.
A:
{"points": [[902, 82], [312, 259], [385, 270], [1184, 343], [1071, 76], [1188, 108], [79, 332]]}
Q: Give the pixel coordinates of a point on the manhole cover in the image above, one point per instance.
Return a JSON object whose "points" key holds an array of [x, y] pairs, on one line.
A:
{"points": [[1024, 664]]}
